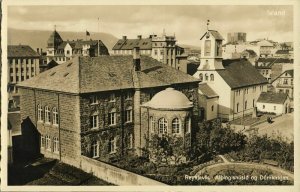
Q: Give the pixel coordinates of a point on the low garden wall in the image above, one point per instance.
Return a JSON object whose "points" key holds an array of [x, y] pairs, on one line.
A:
{"points": [[114, 174]]}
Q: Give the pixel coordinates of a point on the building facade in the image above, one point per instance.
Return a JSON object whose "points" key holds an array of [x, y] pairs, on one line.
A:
{"points": [[23, 64], [61, 51], [162, 48], [276, 103], [99, 114], [284, 83], [237, 83], [238, 37]]}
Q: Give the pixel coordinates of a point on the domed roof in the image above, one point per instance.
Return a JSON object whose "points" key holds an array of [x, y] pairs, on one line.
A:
{"points": [[169, 99]]}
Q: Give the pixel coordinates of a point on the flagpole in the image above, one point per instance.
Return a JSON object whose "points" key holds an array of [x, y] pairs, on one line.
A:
{"points": [[98, 39]]}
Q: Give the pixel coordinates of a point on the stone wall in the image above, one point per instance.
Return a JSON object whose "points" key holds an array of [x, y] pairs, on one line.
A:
{"points": [[114, 174]]}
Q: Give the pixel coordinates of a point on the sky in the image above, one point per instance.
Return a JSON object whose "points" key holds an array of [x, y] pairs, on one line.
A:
{"points": [[187, 22]]}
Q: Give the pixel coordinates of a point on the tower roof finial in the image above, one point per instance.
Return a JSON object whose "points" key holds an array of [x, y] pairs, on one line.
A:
{"points": [[207, 24]]}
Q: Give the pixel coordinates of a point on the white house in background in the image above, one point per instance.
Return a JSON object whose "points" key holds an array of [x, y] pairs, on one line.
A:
{"points": [[270, 102], [237, 83], [284, 83]]}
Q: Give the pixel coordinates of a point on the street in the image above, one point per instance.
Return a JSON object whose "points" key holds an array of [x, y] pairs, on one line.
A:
{"points": [[281, 126]]}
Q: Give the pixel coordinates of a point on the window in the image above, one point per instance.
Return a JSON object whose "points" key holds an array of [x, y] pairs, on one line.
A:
{"points": [[55, 116], [55, 145], [207, 47], [253, 103], [274, 107], [95, 149], [292, 82], [201, 77], [93, 100], [206, 77], [128, 95], [128, 114], [40, 112], [112, 97], [163, 126], [245, 105], [112, 145], [130, 142], [237, 107], [152, 124], [212, 108], [267, 71], [48, 143], [264, 106], [42, 141], [176, 126], [162, 52], [212, 77], [112, 117], [68, 51], [285, 81], [47, 115], [188, 125], [94, 121], [155, 52]]}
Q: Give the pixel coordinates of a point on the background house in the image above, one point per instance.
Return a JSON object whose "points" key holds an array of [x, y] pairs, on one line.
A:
{"points": [[278, 103]]}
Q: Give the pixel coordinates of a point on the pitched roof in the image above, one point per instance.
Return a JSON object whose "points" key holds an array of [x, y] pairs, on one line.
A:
{"points": [[215, 34], [282, 52], [207, 91], [251, 52], [240, 73], [129, 44], [290, 72], [21, 51], [104, 73], [271, 97]]}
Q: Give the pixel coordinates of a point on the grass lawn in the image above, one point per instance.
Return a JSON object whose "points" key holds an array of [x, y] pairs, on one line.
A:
{"points": [[50, 172]]}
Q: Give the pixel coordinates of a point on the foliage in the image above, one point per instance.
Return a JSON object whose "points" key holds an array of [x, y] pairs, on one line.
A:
{"points": [[259, 148], [165, 149]]}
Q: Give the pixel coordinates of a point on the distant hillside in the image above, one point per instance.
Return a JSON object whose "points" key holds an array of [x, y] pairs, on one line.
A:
{"points": [[190, 46], [38, 39]]}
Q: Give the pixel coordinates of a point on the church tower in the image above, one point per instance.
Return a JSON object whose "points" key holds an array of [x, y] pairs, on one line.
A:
{"points": [[211, 55]]}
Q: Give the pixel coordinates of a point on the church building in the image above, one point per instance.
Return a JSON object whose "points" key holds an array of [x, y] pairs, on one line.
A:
{"points": [[236, 82]]}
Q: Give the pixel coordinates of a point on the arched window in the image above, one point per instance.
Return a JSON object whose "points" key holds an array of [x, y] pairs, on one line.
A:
{"points": [[40, 112], [112, 117], [176, 125], [212, 77], [55, 145], [128, 114], [48, 143], [163, 126], [95, 149], [201, 77], [206, 77], [212, 108], [152, 125], [55, 116], [47, 115]]}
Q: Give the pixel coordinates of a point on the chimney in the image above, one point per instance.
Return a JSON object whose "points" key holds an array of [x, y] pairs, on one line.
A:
{"points": [[139, 36], [124, 37], [136, 58], [38, 50]]}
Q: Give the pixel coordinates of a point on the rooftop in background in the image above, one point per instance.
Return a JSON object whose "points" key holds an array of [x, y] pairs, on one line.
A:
{"points": [[271, 97], [240, 73], [274, 60], [251, 52], [104, 73], [282, 52], [21, 51], [207, 91], [129, 44]]}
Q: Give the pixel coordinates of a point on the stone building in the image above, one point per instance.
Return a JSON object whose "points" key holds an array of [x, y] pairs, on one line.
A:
{"points": [[237, 83], [23, 63], [91, 106], [162, 48], [61, 51]]}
